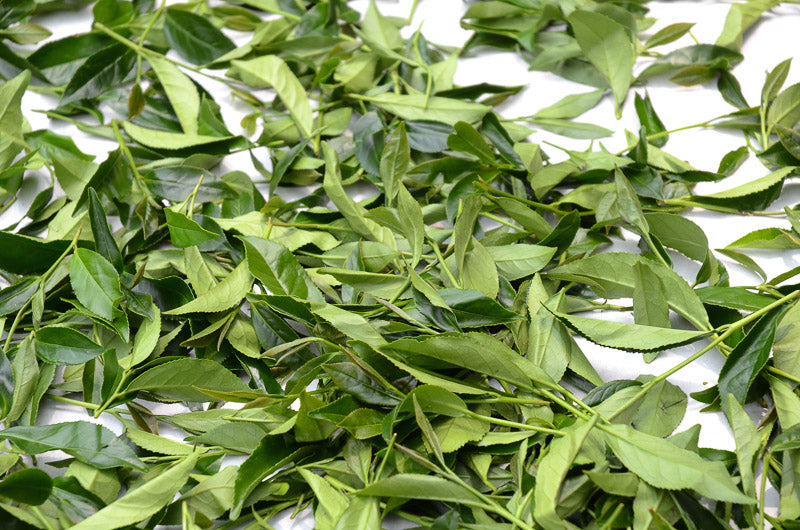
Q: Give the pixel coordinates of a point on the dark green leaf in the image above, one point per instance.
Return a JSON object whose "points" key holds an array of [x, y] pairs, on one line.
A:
{"points": [[107, 68], [103, 240], [28, 486], [749, 357], [184, 380], [194, 37], [95, 282], [88, 442], [65, 346], [185, 232]]}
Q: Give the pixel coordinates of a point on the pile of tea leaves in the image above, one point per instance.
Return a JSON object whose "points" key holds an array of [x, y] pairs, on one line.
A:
{"points": [[378, 322]]}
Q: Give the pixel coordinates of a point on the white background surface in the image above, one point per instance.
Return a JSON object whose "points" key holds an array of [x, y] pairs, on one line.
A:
{"points": [[771, 41]]}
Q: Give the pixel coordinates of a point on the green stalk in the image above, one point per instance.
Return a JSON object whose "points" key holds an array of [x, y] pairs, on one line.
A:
{"points": [[513, 424], [132, 163], [733, 328]]}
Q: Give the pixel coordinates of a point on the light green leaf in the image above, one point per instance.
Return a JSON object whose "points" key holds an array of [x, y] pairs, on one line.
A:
{"points": [[479, 272], [422, 487], [415, 107], [664, 465], [769, 238], [774, 81], [520, 260], [180, 380], [354, 326], [158, 444], [11, 118], [607, 45], [394, 161], [278, 269], [754, 186], [678, 232], [25, 370], [466, 139], [272, 71], [474, 351], [629, 337], [572, 106], [185, 232], [611, 275], [550, 345], [628, 204], [361, 513], [661, 410], [181, 92], [350, 210], [145, 340], [411, 218], [786, 348], [168, 140], [740, 17], [226, 294], [454, 433], [331, 503], [668, 34], [572, 129], [374, 283], [748, 442], [380, 30], [650, 306], [144, 501], [552, 470]]}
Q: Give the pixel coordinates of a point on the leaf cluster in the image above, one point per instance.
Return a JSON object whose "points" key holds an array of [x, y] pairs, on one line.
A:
{"points": [[386, 317]]}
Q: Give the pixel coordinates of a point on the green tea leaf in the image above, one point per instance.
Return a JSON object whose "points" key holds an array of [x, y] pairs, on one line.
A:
{"points": [[649, 119], [185, 379], [552, 471], [182, 93], [466, 139], [105, 69], [95, 282], [168, 140], [664, 465], [394, 161], [185, 232], [273, 265], [194, 37], [748, 442], [611, 274], [28, 486], [740, 17], [473, 351], [11, 120], [572, 106], [65, 346], [90, 443], [416, 486], [226, 294], [607, 45], [749, 357], [103, 240], [668, 34], [435, 108], [629, 337], [271, 71], [144, 501]]}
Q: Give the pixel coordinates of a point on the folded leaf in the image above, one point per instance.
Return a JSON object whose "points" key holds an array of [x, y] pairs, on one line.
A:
{"points": [[629, 337], [664, 465]]}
